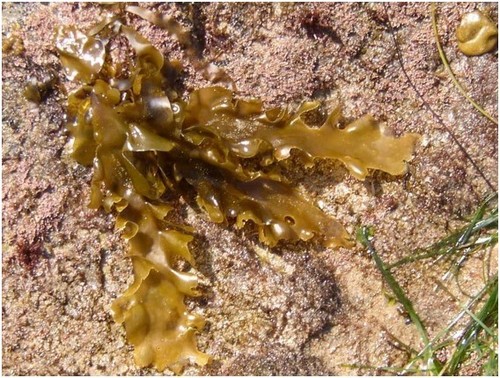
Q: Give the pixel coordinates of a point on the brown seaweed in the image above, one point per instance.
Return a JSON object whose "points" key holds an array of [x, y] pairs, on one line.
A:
{"points": [[145, 142], [476, 34]]}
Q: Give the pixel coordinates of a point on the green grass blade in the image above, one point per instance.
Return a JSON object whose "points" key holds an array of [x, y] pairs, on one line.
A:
{"points": [[364, 235], [467, 237], [486, 317]]}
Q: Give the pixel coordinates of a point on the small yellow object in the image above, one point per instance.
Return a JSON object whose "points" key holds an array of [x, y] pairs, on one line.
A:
{"points": [[476, 34]]}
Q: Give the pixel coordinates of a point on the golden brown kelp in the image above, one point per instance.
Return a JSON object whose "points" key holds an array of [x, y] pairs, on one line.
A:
{"points": [[476, 34], [145, 143]]}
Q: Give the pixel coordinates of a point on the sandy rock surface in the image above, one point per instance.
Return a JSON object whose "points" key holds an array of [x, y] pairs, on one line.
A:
{"points": [[295, 309]]}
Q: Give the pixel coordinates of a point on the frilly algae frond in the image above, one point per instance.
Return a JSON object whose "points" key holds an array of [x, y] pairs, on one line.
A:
{"points": [[144, 142], [152, 309]]}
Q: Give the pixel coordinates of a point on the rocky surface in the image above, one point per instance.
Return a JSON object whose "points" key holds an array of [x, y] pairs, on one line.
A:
{"points": [[295, 309]]}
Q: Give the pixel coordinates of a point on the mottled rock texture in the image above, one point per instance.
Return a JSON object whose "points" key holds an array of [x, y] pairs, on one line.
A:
{"points": [[296, 309]]}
